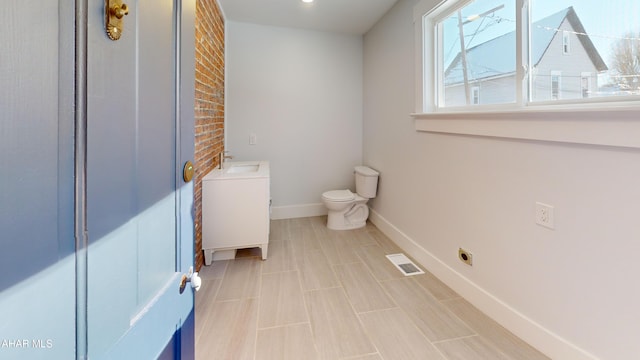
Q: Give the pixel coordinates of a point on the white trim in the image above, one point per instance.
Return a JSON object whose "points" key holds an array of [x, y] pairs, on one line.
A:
{"points": [[615, 126], [426, 7], [527, 329], [420, 67], [430, 87], [425, 15], [297, 211], [523, 56]]}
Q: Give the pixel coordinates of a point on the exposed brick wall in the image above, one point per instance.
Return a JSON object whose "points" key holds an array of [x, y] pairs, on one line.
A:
{"points": [[209, 106]]}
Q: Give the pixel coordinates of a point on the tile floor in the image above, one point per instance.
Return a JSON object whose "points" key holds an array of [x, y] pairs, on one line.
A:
{"points": [[326, 294]]}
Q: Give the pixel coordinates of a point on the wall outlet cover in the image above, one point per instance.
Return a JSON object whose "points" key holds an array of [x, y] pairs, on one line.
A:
{"points": [[544, 215]]}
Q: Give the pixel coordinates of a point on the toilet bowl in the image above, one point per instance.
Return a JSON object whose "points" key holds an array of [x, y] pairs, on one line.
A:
{"points": [[347, 210]]}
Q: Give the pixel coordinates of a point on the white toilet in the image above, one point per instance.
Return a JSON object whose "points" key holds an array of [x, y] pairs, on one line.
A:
{"points": [[348, 210]]}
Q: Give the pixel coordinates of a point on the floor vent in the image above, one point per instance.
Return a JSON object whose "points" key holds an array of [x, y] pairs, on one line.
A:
{"points": [[406, 266]]}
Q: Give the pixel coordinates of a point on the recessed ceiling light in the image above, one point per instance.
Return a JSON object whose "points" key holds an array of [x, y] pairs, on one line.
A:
{"points": [[307, 1]]}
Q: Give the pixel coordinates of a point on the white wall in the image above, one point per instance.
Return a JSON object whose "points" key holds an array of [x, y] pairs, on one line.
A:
{"points": [[572, 286], [300, 92]]}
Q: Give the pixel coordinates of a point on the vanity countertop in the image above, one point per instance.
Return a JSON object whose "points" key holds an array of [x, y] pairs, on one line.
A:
{"points": [[239, 170]]}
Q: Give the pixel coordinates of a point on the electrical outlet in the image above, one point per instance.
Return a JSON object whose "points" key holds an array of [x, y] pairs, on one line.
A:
{"points": [[465, 256], [253, 139], [544, 215]]}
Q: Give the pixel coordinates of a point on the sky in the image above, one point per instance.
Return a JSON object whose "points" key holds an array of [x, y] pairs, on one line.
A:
{"points": [[604, 20]]}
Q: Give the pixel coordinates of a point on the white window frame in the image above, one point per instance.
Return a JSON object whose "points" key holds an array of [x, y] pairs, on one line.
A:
{"points": [[580, 122], [433, 99]]}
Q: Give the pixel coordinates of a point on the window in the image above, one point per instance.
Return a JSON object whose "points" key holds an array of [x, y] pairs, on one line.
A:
{"points": [[566, 42], [475, 91], [515, 52], [470, 56], [555, 84], [585, 84]]}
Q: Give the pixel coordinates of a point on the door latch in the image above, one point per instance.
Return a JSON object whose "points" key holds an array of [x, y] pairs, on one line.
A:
{"points": [[114, 12], [191, 277]]}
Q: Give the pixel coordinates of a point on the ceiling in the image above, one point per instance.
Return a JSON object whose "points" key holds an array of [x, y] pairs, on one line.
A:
{"points": [[342, 16]]}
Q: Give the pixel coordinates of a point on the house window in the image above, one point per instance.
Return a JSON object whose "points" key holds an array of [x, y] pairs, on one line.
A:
{"points": [[555, 84], [566, 42], [509, 47], [585, 84], [475, 95], [469, 55]]}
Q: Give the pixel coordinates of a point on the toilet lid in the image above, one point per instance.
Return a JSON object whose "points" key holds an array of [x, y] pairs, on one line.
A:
{"points": [[339, 195]]}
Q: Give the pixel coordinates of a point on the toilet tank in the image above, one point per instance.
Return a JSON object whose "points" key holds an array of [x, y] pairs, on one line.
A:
{"points": [[366, 181]]}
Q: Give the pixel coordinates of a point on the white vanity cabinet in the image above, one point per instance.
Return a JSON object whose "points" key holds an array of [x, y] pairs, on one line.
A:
{"points": [[235, 208]]}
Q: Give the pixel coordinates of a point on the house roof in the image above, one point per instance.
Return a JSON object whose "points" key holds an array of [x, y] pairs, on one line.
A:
{"points": [[482, 61]]}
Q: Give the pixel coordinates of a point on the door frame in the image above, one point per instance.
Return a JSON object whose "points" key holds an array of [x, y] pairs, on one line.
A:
{"points": [[80, 174]]}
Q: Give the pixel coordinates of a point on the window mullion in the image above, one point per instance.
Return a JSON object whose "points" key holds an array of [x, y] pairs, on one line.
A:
{"points": [[439, 68], [523, 68]]}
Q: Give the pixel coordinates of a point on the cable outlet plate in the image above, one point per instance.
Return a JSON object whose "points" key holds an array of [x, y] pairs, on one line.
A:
{"points": [[544, 215], [465, 256]]}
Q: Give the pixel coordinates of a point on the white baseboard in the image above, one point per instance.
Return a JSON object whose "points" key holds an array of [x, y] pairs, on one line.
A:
{"points": [[297, 211], [528, 330]]}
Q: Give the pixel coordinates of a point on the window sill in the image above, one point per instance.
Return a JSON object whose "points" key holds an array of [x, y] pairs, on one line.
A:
{"points": [[615, 126]]}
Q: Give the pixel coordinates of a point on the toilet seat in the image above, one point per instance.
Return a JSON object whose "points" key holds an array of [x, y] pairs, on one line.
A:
{"points": [[339, 196]]}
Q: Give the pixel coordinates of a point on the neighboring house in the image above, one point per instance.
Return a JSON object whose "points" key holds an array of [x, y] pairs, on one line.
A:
{"points": [[565, 65]]}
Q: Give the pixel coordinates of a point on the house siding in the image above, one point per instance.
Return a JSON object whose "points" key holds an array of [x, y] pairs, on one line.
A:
{"points": [[571, 66], [497, 91]]}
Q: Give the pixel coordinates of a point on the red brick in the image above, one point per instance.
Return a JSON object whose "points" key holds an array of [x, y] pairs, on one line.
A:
{"points": [[209, 103]]}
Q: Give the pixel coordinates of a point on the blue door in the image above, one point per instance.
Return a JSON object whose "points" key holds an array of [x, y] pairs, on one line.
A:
{"points": [[140, 240], [92, 264]]}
